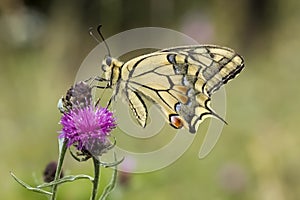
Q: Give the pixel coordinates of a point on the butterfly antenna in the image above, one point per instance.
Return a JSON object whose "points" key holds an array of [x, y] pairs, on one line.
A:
{"points": [[99, 32], [92, 34]]}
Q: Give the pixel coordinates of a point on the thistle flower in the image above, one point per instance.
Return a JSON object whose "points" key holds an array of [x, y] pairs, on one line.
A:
{"points": [[79, 96], [88, 128]]}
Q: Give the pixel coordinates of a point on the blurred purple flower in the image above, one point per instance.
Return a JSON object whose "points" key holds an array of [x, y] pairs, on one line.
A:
{"points": [[87, 128], [199, 26], [49, 172]]}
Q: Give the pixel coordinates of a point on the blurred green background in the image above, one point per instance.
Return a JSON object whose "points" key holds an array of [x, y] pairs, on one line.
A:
{"points": [[42, 44]]}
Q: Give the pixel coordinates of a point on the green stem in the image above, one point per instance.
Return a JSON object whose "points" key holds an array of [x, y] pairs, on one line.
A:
{"points": [[111, 186], [96, 178], [59, 168]]}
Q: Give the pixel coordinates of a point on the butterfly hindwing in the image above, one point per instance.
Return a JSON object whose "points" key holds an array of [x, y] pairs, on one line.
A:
{"points": [[153, 81]]}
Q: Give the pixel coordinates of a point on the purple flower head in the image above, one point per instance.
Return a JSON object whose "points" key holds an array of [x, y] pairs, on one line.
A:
{"points": [[88, 128]]}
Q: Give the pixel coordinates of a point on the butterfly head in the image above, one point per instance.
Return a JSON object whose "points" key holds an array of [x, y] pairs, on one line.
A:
{"points": [[111, 68]]}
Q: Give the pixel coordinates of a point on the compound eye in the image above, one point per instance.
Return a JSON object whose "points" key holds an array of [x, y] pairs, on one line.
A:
{"points": [[108, 61]]}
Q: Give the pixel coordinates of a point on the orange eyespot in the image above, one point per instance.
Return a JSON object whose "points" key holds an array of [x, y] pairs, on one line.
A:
{"points": [[176, 121]]}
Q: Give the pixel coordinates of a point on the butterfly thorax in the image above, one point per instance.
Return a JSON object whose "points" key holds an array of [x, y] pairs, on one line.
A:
{"points": [[112, 70]]}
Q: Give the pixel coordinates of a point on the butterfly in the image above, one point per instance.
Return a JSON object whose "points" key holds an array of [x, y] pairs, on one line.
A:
{"points": [[179, 80]]}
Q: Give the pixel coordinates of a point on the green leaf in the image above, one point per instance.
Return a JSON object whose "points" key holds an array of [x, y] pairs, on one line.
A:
{"points": [[65, 179], [28, 187]]}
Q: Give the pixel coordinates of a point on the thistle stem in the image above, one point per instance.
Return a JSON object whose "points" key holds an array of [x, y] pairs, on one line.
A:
{"points": [[59, 168], [96, 178]]}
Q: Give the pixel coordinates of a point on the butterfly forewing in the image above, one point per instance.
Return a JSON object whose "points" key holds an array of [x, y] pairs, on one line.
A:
{"points": [[180, 81], [216, 65]]}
